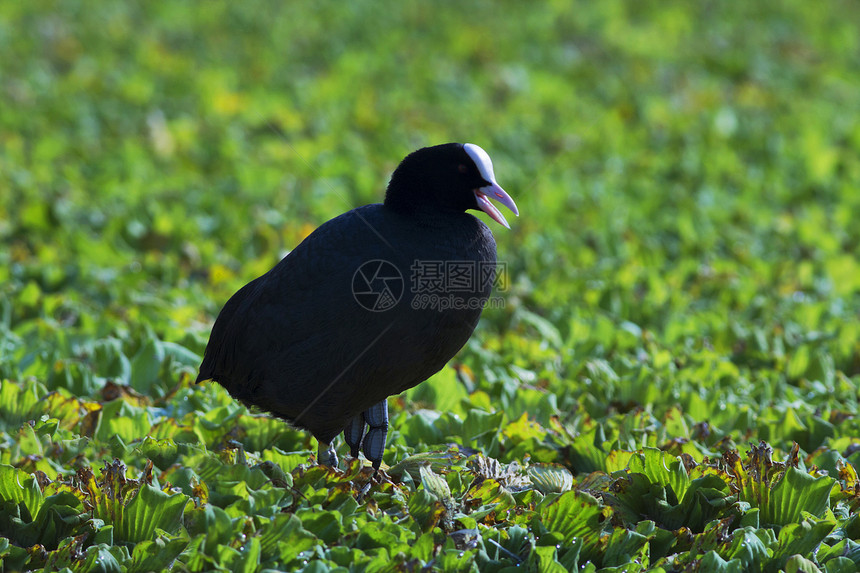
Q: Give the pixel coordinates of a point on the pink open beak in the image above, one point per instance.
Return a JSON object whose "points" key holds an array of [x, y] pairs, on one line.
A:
{"points": [[493, 191]]}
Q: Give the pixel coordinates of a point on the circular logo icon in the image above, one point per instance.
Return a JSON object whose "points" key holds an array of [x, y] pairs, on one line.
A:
{"points": [[377, 285]]}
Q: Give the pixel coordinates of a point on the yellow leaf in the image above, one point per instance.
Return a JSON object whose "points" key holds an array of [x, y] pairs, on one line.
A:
{"points": [[219, 273]]}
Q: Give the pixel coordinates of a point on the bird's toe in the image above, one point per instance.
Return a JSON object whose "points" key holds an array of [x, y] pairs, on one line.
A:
{"points": [[326, 456]]}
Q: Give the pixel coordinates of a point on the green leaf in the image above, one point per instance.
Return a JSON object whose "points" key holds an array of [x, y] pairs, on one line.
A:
{"points": [[747, 547], [545, 560], [801, 539], [550, 478], [797, 492], [713, 563], [134, 510], [426, 509], [285, 538], [661, 468], [800, 564], [423, 547], [781, 498], [442, 391], [163, 453], [248, 558], [625, 547], [575, 515], [435, 485], [12, 556], [211, 521], [19, 487], [545, 329], [124, 420], [18, 401], [146, 365], [840, 565], [59, 516], [438, 461], [844, 548], [149, 510], [587, 451], [325, 525]]}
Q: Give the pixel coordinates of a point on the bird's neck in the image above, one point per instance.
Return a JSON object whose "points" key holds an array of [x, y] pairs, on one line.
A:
{"points": [[424, 214]]}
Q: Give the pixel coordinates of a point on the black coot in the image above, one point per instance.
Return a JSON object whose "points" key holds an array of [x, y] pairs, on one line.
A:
{"points": [[370, 304]]}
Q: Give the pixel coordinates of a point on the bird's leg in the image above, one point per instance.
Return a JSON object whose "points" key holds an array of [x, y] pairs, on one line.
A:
{"points": [[374, 442], [353, 433], [326, 456]]}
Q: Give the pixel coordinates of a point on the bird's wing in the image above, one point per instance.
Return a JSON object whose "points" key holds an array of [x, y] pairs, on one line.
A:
{"points": [[301, 300]]}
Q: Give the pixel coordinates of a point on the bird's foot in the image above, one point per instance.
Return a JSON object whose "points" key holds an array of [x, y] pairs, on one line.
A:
{"points": [[326, 456], [354, 433], [374, 441]]}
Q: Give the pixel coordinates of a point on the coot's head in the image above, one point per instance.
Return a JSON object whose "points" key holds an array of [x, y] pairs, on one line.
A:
{"points": [[452, 177]]}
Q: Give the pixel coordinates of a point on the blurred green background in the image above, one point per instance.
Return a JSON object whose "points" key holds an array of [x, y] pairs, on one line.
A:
{"points": [[688, 169], [685, 266]]}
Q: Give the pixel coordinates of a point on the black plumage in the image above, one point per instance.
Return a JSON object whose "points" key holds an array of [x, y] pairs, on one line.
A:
{"points": [[337, 326]]}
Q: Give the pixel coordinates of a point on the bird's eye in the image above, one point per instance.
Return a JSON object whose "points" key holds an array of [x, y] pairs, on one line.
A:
{"points": [[462, 168]]}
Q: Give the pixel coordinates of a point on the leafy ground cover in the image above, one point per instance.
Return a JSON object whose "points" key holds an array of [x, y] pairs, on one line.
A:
{"points": [[672, 383]]}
